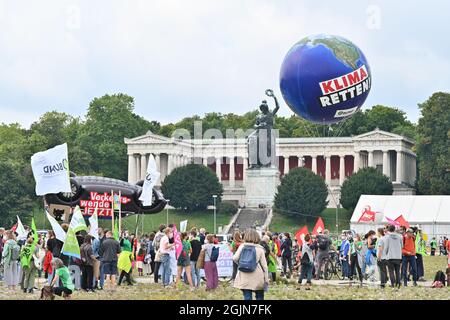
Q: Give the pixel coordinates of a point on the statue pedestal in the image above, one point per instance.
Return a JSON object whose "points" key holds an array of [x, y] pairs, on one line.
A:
{"points": [[261, 186]]}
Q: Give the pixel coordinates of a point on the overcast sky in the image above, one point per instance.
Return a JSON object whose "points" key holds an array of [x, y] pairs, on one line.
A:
{"points": [[179, 58]]}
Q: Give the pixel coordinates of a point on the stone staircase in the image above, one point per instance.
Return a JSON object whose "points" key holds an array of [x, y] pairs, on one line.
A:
{"points": [[249, 218]]}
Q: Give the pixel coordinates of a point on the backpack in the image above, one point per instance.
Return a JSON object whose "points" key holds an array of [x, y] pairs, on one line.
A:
{"points": [[247, 259], [15, 252], [439, 280], [214, 254], [323, 243], [305, 259]]}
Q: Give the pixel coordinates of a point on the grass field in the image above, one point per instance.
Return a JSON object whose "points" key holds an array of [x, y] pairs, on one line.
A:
{"points": [[283, 290], [284, 223]]}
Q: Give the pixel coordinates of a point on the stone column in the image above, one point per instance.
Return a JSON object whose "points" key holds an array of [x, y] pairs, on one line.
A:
{"points": [[399, 167], [341, 170], [131, 168], [138, 168], [232, 175], [169, 163], [286, 164], [158, 162], [314, 164], [386, 166], [205, 161], [218, 169], [370, 159], [328, 170], [143, 166], [356, 162], [300, 161]]}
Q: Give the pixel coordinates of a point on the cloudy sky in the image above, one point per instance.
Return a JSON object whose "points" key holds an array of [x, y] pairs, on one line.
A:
{"points": [[180, 57]]}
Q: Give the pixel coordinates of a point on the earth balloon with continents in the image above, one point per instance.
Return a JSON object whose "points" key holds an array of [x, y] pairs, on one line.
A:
{"points": [[325, 79]]}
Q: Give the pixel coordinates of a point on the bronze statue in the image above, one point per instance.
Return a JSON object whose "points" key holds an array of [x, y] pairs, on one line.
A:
{"points": [[261, 143]]}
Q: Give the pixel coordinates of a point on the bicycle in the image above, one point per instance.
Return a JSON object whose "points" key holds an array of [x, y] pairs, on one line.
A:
{"points": [[333, 266]]}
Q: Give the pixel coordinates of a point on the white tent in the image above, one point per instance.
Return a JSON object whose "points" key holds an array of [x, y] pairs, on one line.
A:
{"points": [[431, 213]]}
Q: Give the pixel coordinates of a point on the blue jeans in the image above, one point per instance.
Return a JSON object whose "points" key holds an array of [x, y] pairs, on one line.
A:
{"points": [[306, 272], [102, 275], [195, 274], [166, 269], [411, 260], [248, 294], [345, 268]]}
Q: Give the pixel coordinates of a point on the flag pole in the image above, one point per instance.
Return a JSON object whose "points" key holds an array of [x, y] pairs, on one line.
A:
{"points": [[120, 213], [112, 211]]}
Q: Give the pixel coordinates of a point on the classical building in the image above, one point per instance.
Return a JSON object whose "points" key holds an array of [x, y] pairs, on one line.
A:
{"points": [[332, 158]]}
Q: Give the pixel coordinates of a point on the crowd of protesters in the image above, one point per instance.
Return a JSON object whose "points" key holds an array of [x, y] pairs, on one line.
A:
{"points": [[387, 254]]}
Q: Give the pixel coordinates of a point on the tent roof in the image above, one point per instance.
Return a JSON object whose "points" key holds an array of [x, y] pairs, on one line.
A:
{"points": [[415, 209]]}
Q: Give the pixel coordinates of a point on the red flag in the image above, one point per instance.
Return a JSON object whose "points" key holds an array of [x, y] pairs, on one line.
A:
{"points": [[300, 235], [393, 222], [319, 227], [14, 227], [402, 221], [367, 215]]}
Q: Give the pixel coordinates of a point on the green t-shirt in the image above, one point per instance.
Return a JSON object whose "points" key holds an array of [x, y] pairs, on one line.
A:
{"points": [[186, 247], [66, 280]]}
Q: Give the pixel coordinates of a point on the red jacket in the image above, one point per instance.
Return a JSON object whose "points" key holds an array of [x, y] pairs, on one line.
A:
{"points": [[47, 267]]}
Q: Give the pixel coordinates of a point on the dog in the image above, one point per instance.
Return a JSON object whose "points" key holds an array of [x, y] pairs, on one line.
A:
{"points": [[47, 293]]}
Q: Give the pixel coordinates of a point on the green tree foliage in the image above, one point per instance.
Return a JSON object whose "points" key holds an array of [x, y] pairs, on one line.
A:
{"points": [[365, 181], [433, 147], [301, 192], [191, 187], [109, 119]]}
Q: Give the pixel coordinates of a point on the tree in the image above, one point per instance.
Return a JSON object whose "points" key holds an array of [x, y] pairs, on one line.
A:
{"points": [[365, 181], [301, 192], [191, 187], [433, 147], [15, 199], [109, 119]]}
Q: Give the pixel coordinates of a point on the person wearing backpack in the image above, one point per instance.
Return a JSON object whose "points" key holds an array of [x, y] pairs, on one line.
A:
{"points": [[87, 264], [156, 245], [324, 243], [10, 254], [211, 255], [286, 255], [307, 262], [252, 275]]}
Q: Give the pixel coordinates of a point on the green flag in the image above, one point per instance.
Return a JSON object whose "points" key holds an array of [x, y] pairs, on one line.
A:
{"points": [[71, 247], [26, 253], [77, 223], [35, 234]]}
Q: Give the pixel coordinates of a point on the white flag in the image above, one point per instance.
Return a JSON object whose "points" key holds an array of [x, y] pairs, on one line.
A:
{"points": [[60, 234], [150, 180], [183, 225], [21, 232], [93, 225], [77, 222], [51, 170]]}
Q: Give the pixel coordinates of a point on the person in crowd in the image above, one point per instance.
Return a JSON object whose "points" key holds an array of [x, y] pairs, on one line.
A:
{"points": [[10, 257], [356, 258], [165, 249], [195, 252], [211, 273], [39, 256], [27, 253], [433, 246], [272, 262], [255, 281], [96, 266], [344, 255], [421, 250], [202, 235], [393, 244], [184, 261], [101, 280], [370, 257], [441, 246], [151, 252], [62, 273], [286, 255], [141, 253], [87, 264], [125, 259], [109, 251], [307, 261], [382, 259], [234, 246], [324, 243], [409, 257], [156, 244]]}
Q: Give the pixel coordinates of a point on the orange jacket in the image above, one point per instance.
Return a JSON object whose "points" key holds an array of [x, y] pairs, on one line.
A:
{"points": [[409, 245]]}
